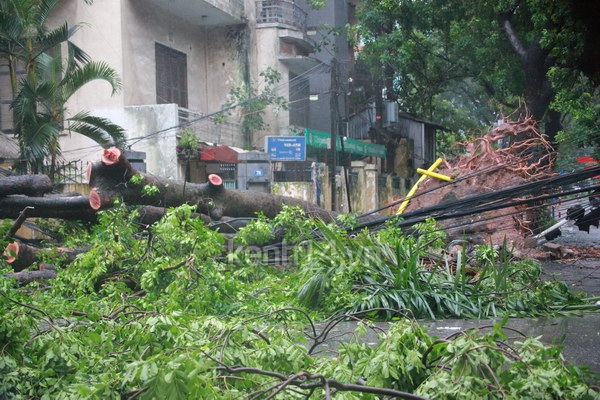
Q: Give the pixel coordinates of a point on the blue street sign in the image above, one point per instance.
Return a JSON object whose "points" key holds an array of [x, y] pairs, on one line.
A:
{"points": [[286, 148]]}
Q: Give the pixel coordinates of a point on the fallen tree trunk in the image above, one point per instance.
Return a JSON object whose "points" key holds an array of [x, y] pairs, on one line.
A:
{"points": [[26, 277], [111, 177], [29, 185], [21, 255], [71, 208]]}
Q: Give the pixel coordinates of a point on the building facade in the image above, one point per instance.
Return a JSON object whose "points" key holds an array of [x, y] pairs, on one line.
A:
{"points": [[179, 61]]}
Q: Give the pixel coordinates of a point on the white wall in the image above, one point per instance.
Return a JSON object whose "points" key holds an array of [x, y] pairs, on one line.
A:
{"points": [[153, 130]]}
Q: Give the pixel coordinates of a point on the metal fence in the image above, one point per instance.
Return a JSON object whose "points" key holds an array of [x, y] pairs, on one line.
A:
{"points": [[67, 172], [294, 172]]}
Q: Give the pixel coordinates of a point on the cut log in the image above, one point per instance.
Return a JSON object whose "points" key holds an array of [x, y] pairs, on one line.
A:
{"points": [[71, 208], [26, 277], [29, 185], [110, 178], [21, 255]]}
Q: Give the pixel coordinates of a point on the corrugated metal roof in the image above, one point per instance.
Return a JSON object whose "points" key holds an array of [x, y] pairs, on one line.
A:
{"points": [[9, 148]]}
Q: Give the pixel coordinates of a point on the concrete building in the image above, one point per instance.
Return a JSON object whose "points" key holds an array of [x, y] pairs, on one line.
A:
{"points": [[179, 61]]}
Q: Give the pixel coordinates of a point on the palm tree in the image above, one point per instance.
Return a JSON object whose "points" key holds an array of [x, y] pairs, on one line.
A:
{"points": [[40, 97]]}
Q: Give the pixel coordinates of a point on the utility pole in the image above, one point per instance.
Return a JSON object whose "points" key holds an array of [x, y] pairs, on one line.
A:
{"points": [[333, 100]]}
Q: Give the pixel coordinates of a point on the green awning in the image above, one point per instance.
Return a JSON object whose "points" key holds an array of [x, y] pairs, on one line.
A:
{"points": [[322, 140]]}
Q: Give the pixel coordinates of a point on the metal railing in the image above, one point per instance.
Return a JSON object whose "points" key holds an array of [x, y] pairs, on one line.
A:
{"points": [[294, 172], [283, 12], [67, 172], [228, 132]]}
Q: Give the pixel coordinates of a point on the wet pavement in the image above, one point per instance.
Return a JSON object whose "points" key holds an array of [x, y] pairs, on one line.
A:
{"points": [[582, 271], [580, 335]]}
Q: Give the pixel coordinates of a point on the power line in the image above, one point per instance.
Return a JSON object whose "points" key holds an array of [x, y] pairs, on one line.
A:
{"points": [[282, 85]]}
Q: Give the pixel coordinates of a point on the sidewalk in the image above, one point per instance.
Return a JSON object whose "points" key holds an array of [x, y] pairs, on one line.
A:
{"points": [[581, 272]]}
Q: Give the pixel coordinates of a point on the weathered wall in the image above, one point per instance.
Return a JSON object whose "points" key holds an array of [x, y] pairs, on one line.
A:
{"points": [[367, 191], [124, 33], [213, 59], [153, 130], [318, 191], [266, 51]]}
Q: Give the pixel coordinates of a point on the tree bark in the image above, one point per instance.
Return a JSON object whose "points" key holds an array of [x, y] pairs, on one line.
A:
{"points": [[72, 208], [26, 277], [23, 215], [111, 178], [536, 62], [29, 185]]}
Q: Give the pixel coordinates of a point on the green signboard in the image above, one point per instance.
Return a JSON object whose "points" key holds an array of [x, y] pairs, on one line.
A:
{"points": [[322, 140]]}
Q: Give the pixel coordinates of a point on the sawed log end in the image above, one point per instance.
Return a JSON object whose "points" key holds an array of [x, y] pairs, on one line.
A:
{"points": [[215, 180], [11, 252], [97, 201], [110, 156]]}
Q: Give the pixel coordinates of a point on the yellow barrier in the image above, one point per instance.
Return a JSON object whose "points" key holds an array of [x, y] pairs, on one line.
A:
{"points": [[424, 174], [434, 174]]}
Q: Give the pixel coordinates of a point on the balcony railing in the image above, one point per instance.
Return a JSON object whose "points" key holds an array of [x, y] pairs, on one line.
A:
{"points": [[228, 133], [283, 12]]}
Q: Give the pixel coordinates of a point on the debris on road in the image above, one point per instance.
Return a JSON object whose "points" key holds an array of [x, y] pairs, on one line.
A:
{"points": [[511, 155]]}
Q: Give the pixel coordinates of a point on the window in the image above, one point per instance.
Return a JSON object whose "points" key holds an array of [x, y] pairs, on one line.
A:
{"points": [[171, 76], [6, 95]]}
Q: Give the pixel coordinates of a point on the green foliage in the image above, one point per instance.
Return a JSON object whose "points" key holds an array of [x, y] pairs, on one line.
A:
{"points": [[387, 272], [317, 4], [258, 231], [458, 64], [254, 98], [39, 99], [150, 190], [477, 366], [160, 312], [578, 99], [136, 179], [189, 143]]}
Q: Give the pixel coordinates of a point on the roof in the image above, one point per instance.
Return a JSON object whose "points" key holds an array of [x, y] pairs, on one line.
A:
{"points": [[9, 148], [404, 115], [226, 154]]}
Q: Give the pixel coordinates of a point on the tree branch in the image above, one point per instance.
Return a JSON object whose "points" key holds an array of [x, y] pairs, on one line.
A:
{"points": [[513, 38]]}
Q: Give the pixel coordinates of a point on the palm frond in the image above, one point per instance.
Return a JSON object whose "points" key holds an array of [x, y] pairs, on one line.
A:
{"points": [[75, 55], [40, 12], [11, 31], [94, 70], [51, 39], [99, 129], [30, 99], [37, 137]]}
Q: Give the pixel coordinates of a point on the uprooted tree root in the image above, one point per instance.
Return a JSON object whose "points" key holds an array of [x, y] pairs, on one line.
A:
{"points": [[517, 147], [508, 155]]}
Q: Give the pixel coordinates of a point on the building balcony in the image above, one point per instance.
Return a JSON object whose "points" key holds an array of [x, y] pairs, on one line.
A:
{"points": [[205, 12], [284, 13], [290, 22]]}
